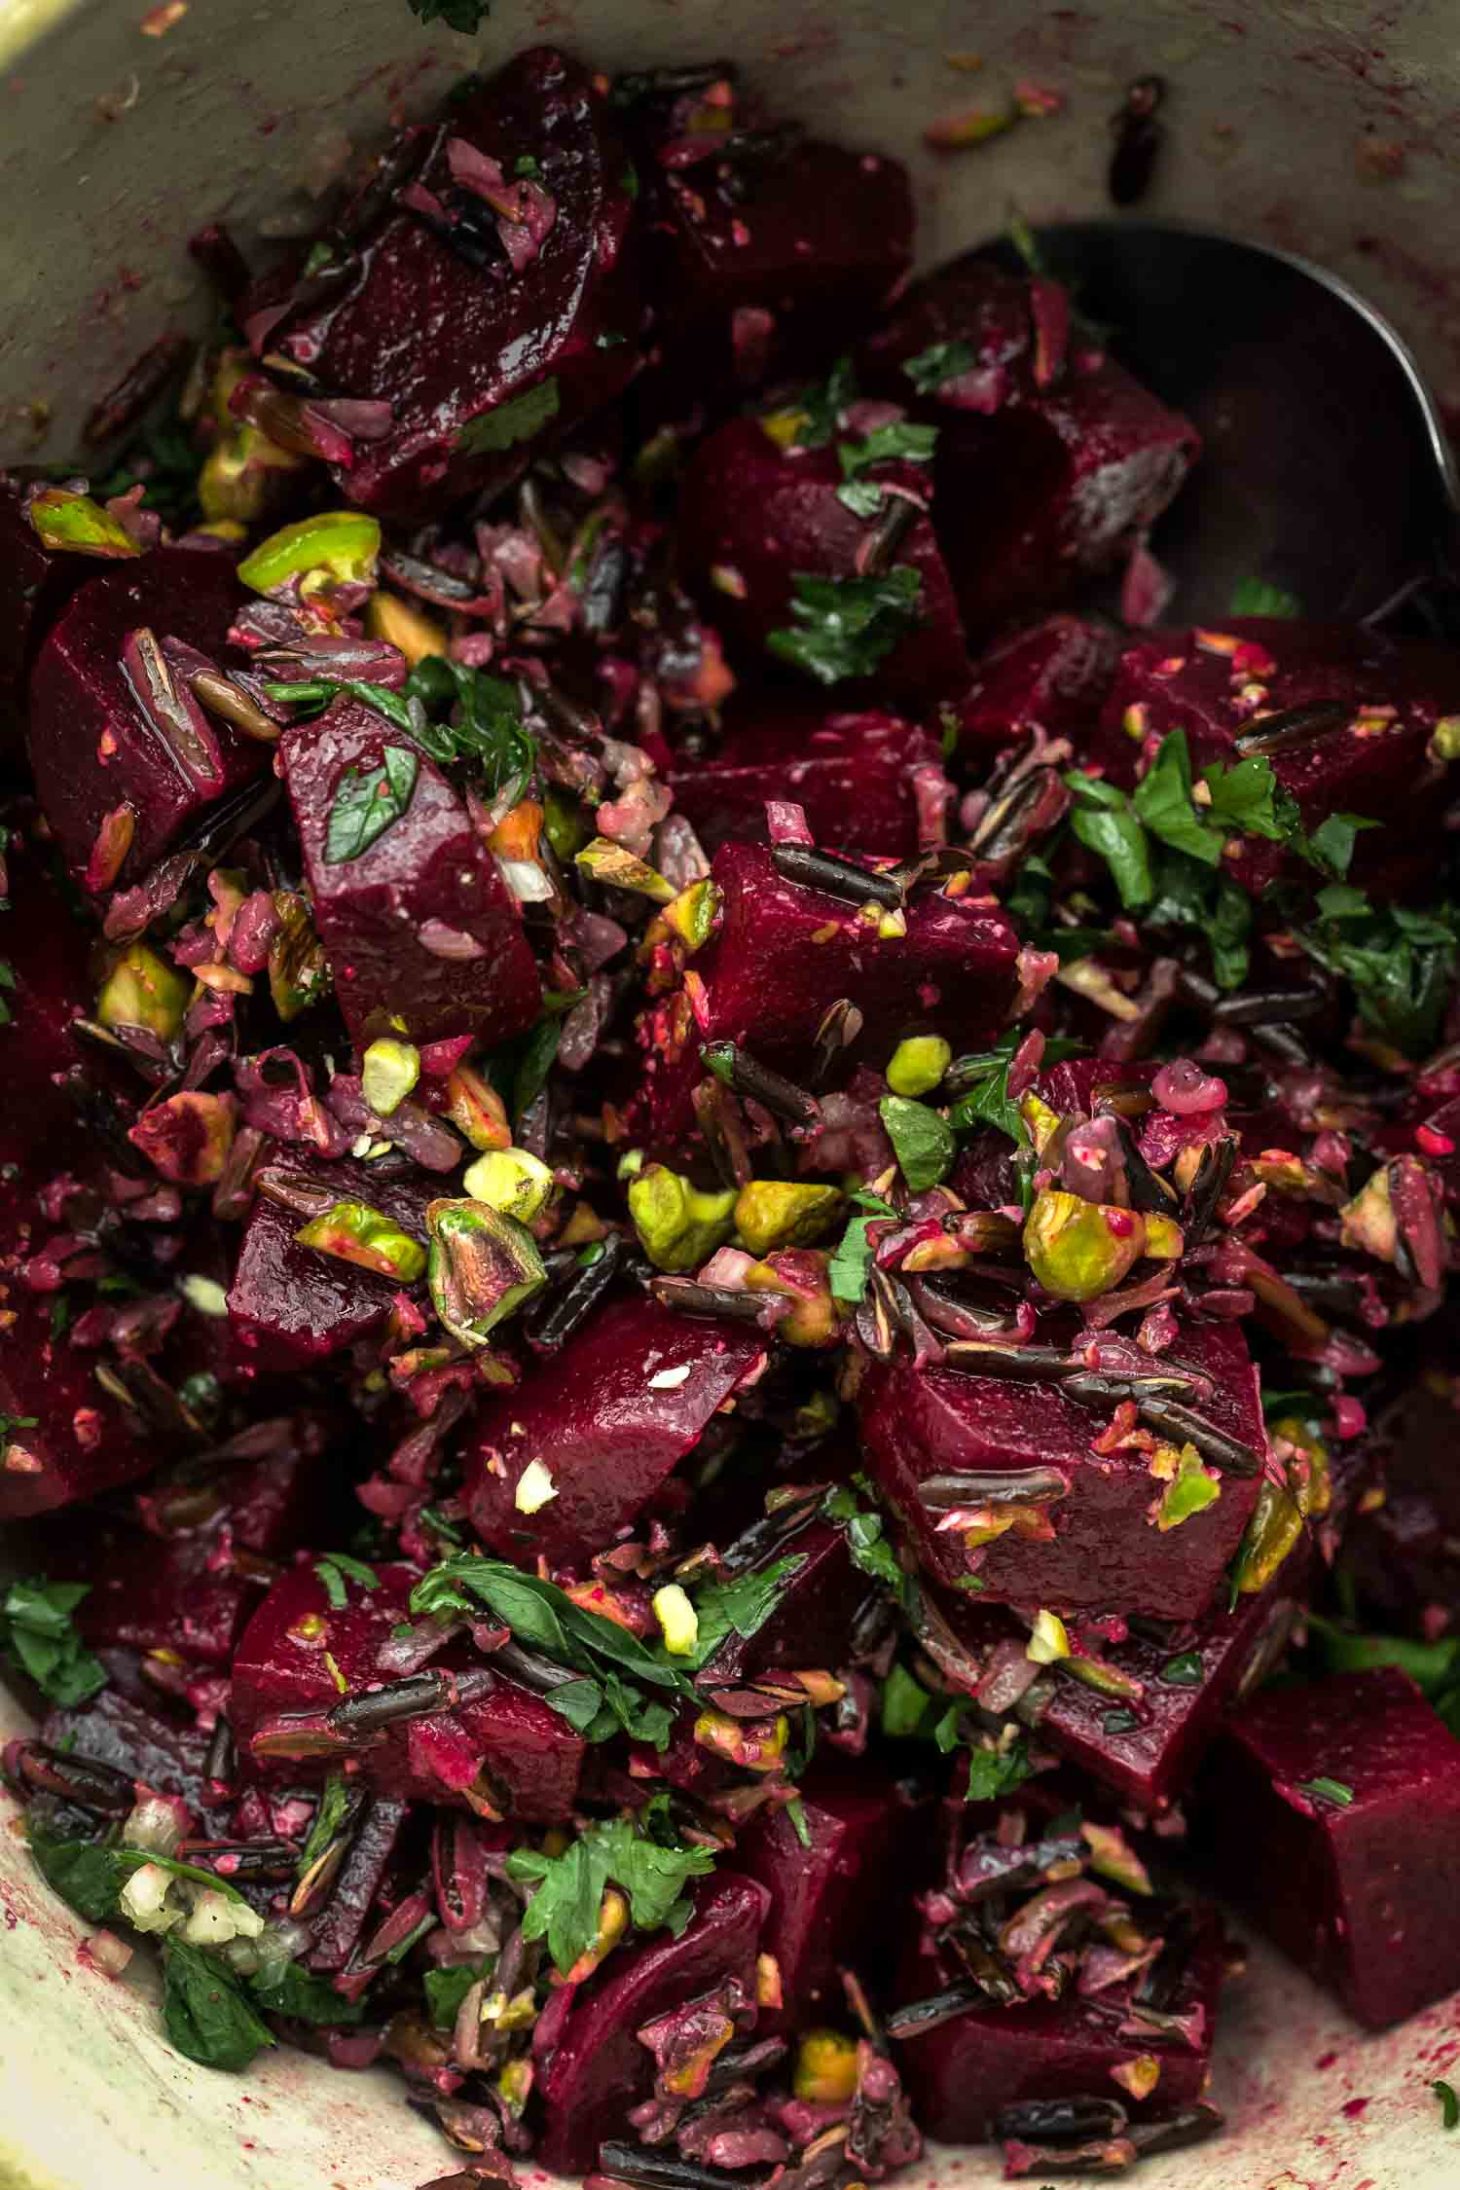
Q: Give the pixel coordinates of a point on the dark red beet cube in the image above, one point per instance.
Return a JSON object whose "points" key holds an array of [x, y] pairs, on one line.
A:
{"points": [[120, 775], [595, 2069], [1218, 684], [1053, 677], [506, 1748], [440, 324], [423, 936], [610, 1417], [1103, 1547], [829, 1896], [857, 777], [1333, 1817], [293, 1306], [783, 954], [753, 517], [961, 2074]]}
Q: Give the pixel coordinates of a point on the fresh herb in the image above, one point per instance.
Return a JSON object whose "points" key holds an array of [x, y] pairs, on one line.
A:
{"points": [[334, 1807], [205, 2011], [1433, 1666], [1255, 597], [290, 1989], [1449, 2103], [866, 1537], [900, 442], [1104, 822], [447, 1988], [941, 362], [476, 719], [516, 420], [1332, 1791], [90, 1874], [366, 802], [922, 1140], [996, 1772], [37, 1632], [525, 164], [906, 1705], [1398, 962], [335, 1569], [863, 497], [988, 1101], [1186, 1671], [847, 626], [821, 407], [651, 1872], [796, 1812], [851, 1265], [740, 1606], [315, 693], [7, 983]]}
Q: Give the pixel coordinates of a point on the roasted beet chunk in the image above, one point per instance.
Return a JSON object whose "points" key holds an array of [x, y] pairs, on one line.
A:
{"points": [[1333, 1815], [830, 1896], [460, 1734], [1103, 1528], [596, 2067], [1343, 714], [490, 301], [784, 953], [870, 782], [125, 759], [423, 936], [293, 1305], [1051, 460], [768, 251], [1053, 677], [610, 1417], [841, 594]]}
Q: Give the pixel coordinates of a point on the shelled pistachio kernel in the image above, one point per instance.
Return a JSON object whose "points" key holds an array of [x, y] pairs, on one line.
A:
{"points": [[918, 1064], [389, 1071], [511, 1180]]}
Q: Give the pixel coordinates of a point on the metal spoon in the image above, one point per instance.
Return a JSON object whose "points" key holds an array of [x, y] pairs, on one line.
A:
{"points": [[1327, 470]]}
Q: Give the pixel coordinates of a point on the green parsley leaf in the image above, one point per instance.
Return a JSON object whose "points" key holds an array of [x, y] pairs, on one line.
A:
{"points": [[822, 406], [847, 626], [863, 497], [447, 1988], [1255, 597], [1186, 1671], [851, 1265], [994, 1772], [205, 2011], [866, 1537], [740, 1606], [1162, 800], [1332, 1791], [988, 1101], [366, 802], [1398, 962], [316, 693], [907, 1706], [36, 1631], [1106, 824], [941, 362], [1432, 1665], [335, 1568], [570, 1887], [899, 442], [290, 1989], [476, 719], [516, 420], [922, 1140], [796, 1812], [1331, 844], [1449, 2103]]}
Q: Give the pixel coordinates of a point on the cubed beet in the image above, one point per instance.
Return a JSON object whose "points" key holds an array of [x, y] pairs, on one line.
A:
{"points": [[48, 952], [1368, 758], [829, 1891], [597, 2069], [121, 781], [423, 936], [506, 1747], [962, 2073], [610, 1417], [1105, 1549], [784, 954], [856, 776], [1052, 460], [478, 360], [1053, 677], [753, 517], [293, 1306], [1332, 1815]]}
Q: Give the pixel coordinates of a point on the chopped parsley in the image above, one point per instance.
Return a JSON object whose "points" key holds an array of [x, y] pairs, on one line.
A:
{"points": [[1398, 962], [922, 1141], [649, 1866], [518, 419], [1334, 1792], [1449, 2103], [866, 1536], [845, 627], [367, 802], [941, 362], [37, 1633], [740, 1606], [473, 718], [335, 1568], [899, 442], [1185, 1671], [1255, 597], [851, 1265]]}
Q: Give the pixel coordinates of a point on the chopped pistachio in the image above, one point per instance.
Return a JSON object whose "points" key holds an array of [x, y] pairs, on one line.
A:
{"points": [[1112, 1856], [511, 1180], [692, 915], [1275, 1529], [404, 626], [563, 823], [535, 1488], [143, 990], [918, 1064], [476, 1109], [755, 1745], [784, 1213], [236, 482], [389, 1071], [354, 1232], [299, 973], [483, 1267], [203, 1293], [1048, 1639], [75, 525], [1368, 1221], [1191, 1490], [1080, 1249], [679, 1226], [678, 1621], [1445, 738], [826, 2068], [1164, 1239], [801, 1276], [1310, 1477], [341, 543], [1040, 1121], [605, 861], [1139, 2077]]}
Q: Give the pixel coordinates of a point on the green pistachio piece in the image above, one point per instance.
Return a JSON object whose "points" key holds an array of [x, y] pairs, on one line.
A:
{"points": [[512, 1181], [1368, 1221], [1049, 1639], [143, 990], [483, 1267], [608, 862], [342, 542], [799, 1275], [692, 915], [354, 1232], [299, 973], [679, 1623], [73, 524], [1190, 1491], [388, 1073], [826, 2068], [1275, 1529], [918, 1064], [780, 1213], [1080, 1249], [679, 1226]]}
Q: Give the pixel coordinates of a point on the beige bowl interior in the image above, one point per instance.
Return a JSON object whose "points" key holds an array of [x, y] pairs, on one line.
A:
{"points": [[1324, 128]]}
